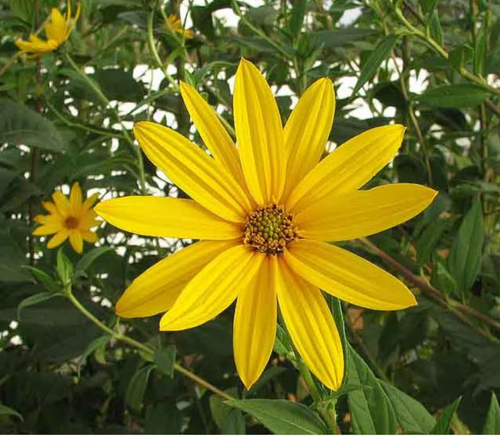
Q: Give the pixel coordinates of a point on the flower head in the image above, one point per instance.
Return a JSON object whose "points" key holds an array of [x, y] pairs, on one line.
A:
{"points": [[266, 212], [57, 31], [175, 24], [68, 218]]}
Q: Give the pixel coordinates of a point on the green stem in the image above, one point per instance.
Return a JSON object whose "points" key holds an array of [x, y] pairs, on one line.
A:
{"points": [[104, 100], [257, 31], [149, 352], [479, 81], [154, 51]]}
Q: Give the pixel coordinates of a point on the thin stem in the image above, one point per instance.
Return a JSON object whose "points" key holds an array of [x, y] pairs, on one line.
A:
{"points": [[154, 51], [479, 81], [92, 85], [144, 348], [257, 31], [457, 308]]}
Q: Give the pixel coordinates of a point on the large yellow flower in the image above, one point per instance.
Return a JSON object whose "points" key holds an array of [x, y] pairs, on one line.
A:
{"points": [[71, 219], [57, 31], [264, 212]]}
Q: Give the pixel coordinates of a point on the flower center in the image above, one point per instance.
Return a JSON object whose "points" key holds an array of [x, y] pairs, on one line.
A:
{"points": [[71, 223], [270, 229]]}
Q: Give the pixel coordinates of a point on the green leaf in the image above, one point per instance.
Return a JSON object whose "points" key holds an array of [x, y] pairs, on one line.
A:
{"points": [[371, 410], [33, 300], [410, 414], [137, 388], [23, 9], [4, 410], [298, 13], [227, 419], [466, 252], [454, 96], [282, 417], [429, 239], [42, 277], [372, 64], [21, 125], [443, 423], [91, 348], [428, 5], [64, 267], [165, 360], [89, 258], [492, 424], [435, 29]]}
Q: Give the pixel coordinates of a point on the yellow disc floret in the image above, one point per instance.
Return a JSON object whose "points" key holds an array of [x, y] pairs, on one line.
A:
{"points": [[270, 229]]}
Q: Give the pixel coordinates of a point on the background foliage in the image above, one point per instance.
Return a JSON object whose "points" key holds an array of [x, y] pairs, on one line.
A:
{"points": [[429, 64]]}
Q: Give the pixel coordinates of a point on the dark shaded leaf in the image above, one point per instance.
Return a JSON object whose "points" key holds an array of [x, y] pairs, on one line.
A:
{"points": [[282, 417]]}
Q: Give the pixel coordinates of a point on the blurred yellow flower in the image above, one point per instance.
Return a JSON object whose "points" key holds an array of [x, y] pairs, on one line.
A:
{"points": [[175, 24], [57, 30], [265, 212], [71, 219]]}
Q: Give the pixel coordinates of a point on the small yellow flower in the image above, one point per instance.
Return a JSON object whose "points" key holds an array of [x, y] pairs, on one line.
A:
{"points": [[71, 219], [57, 30], [266, 212], [175, 24]]}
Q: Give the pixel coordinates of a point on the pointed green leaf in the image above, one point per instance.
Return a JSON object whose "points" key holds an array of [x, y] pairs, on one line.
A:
{"points": [[282, 417], [137, 388], [89, 258], [466, 252], [165, 360], [492, 424], [298, 13], [372, 64], [410, 414], [22, 125], [454, 96], [371, 410], [35, 299], [443, 423], [4, 410]]}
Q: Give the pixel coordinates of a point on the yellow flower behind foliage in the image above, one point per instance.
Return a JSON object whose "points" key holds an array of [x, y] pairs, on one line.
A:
{"points": [[57, 31], [266, 212], [175, 24], [68, 218]]}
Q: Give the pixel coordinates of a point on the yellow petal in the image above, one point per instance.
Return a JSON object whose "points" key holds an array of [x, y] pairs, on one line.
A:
{"points": [[76, 240], [311, 326], [47, 229], [89, 202], [75, 199], [166, 217], [213, 289], [212, 131], [71, 26], [349, 167], [89, 236], [47, 219], [61, 203], [363, 213], [192, 170], [58, 238], [56, 28], [307, 131], [50, 207], [347, 276], [260, 135], [156, 289], [37, 45], [255, 324]]}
